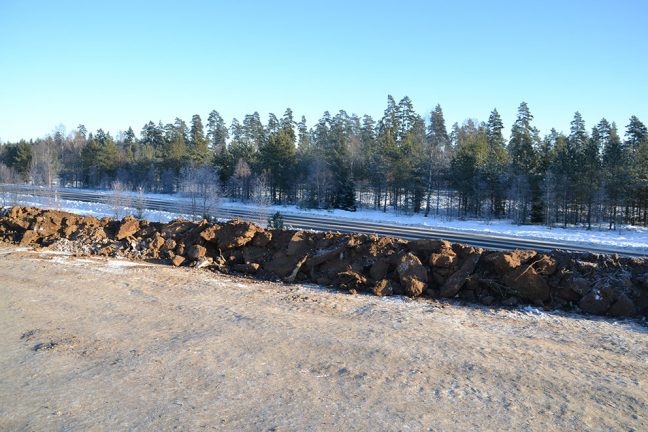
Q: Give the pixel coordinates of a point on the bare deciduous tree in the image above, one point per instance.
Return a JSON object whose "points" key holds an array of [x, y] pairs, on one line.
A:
{"points": [[200, 184], [241, 181], [262, 200], [119, 200], [6, 176], [45, 162], [140, 203]]}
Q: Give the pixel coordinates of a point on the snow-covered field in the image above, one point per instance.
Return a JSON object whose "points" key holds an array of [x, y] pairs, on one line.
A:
{"points": [[626, 237]]}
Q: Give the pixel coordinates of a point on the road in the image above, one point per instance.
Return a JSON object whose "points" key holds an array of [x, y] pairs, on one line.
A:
{"points": [[322, 223]]}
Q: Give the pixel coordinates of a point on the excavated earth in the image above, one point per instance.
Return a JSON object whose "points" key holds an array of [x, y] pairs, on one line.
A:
{"points": [[594, 284]]}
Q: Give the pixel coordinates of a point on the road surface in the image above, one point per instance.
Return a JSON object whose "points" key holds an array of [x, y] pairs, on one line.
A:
{"points": [[322, 223]]}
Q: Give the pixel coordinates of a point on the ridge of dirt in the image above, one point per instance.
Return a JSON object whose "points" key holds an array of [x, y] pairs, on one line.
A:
{"points": [[591, 283]]}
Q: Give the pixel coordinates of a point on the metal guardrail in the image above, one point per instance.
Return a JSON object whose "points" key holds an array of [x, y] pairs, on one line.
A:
{"points": [[321, 223]]}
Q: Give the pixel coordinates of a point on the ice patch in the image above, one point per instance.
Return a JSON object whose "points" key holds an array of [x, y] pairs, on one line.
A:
{"points": [[532, 310], [120, 264], [53, 252]]}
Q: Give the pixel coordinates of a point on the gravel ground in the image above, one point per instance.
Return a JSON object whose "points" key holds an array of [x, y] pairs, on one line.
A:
{"points": [[92, 344]]}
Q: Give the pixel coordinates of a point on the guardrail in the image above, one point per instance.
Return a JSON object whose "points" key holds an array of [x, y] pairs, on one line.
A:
{"points": [[321, 223]]}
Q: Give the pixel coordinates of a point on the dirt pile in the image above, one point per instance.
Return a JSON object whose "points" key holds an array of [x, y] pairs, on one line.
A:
{"points": [[595, 284]]}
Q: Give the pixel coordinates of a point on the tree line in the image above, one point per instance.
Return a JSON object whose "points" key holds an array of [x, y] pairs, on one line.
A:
{"points": [[344, 161]]}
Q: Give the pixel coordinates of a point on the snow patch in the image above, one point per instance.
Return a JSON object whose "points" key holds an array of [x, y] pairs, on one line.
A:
{"points": [[626, 237]]}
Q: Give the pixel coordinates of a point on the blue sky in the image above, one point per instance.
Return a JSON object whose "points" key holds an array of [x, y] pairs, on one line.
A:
{"points": [[116, 64]]}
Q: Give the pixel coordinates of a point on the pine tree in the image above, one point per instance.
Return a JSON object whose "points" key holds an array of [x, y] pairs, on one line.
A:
{"points": [[467, 164], [108, 155], [411, 167], [639, 176], [615, 168], [546, 157], [303, 135], [496, 163], [637, 144], [562, 173], [524, 164], [590, 163], [577, 134], [197, 141], [524, 138], [304, 159], [227, 158], [287, 124], [99, 158], [582, 161], [319, 183], [277, 158], [176, 150], [437, 156], [371, 168], [577, 178], [89, 158], [636, 133], [387, 138], [18, 157], [152, 139], [217, 133], [338, 159], [273, 124], [254, 130], [130, 145]]}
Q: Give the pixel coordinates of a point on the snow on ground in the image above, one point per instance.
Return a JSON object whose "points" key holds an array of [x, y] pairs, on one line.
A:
{"points": [[626, 237], [95, 209]]}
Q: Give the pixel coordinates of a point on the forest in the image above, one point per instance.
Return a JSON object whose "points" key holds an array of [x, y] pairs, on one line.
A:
{"points": [[402, 162]]}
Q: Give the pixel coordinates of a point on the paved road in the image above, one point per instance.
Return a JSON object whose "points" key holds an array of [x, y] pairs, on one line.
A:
{"points": [[322, 223]]}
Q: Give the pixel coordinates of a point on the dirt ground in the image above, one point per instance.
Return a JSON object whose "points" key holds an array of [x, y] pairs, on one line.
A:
{"points": [[92, 344]]}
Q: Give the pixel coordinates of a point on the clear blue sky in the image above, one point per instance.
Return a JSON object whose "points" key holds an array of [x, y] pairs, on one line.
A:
{"points": [[115, 64]]}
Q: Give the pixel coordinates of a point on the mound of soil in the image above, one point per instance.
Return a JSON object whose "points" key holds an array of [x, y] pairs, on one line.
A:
{"points": [[595, 284]]}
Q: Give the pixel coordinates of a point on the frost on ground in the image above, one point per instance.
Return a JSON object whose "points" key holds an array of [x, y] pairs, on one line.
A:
{"points": [[157, 348], [635, 238]]}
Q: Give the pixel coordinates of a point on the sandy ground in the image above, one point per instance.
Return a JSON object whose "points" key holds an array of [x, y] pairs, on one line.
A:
{"points": [[90, 344]]}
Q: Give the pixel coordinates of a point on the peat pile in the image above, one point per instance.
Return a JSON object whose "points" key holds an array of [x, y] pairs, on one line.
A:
{"points": [[596, 284]]}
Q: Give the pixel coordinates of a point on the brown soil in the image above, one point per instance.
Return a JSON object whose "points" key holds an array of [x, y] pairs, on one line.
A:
{"points": [[104, 344], [595, 284]]}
